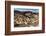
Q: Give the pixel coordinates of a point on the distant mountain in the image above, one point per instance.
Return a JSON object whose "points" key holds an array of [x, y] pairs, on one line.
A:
{"points": [[23, 12]]}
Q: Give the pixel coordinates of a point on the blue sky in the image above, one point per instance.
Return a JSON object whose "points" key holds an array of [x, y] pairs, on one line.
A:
{"points": [[27, 9]]}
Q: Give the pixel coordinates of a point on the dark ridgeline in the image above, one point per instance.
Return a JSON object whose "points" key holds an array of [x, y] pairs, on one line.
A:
{"points": [[23, 12]]}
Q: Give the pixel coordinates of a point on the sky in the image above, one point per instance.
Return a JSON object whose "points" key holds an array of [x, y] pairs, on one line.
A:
{"points": [[27, 9]]}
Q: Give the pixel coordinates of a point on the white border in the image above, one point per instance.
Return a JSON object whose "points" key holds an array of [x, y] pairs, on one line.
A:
{"points": [[39, 27]]}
